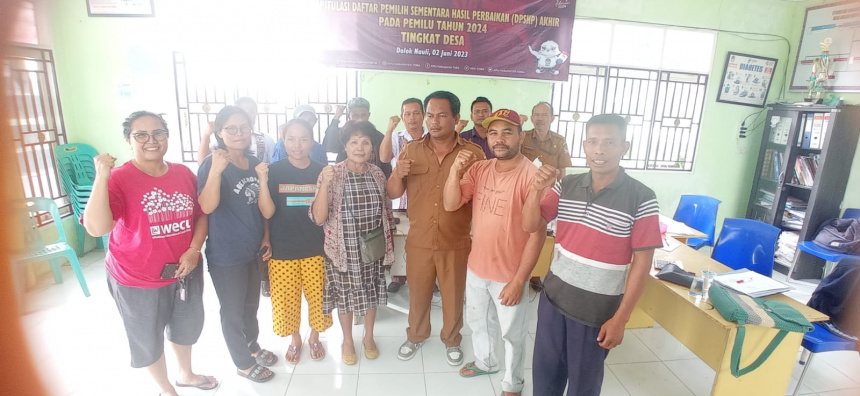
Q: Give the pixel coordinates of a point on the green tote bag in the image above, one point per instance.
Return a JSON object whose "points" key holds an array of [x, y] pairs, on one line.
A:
{"points": [[745, 310]]}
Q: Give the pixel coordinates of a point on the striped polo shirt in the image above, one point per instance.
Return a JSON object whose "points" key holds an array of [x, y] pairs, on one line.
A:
{"points": [[596, 235]]}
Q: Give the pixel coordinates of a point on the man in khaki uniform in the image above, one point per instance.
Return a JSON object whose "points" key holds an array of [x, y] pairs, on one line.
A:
{"points": [[540, 142], [438, 243]]}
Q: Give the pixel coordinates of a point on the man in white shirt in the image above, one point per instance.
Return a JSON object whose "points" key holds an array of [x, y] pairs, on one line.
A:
{"points": [[412, 114]]}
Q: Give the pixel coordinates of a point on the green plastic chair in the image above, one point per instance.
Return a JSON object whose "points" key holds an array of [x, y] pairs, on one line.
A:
{"points": [[77, 172], [36, 249]]}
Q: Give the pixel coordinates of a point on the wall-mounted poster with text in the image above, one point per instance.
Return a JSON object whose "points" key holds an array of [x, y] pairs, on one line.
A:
{"points": [[746, 79], [501, 38]]}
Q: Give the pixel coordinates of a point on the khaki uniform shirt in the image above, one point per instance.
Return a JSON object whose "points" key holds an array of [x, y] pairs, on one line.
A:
{"points": [[430, 225], [552, 151]]}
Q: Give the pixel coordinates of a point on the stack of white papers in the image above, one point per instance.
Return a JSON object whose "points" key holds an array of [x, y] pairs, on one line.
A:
{"points": [[751, 283]]}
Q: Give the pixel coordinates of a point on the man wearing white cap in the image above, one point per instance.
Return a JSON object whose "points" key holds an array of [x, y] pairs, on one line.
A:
{"points": [[503, 253]]}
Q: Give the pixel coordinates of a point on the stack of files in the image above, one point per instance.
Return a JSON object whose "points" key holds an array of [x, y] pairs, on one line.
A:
{"points": [[786, 247], [804, 170], [751, 283], [765, 198], [813, 130], [795, 203], [793, 219]]}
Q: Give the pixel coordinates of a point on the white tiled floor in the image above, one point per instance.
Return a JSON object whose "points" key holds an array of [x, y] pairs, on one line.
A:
{"points": [[80, 346]]}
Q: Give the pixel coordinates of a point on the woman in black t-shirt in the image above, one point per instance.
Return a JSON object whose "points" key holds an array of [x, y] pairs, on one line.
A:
{"points": [[297, 263], [228, 192]]}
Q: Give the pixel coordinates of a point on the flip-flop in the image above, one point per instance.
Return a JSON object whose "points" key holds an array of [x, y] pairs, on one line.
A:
{"points": [[318, 350], [265, 358], [211, 383], [296, 352], [471, 366], [256, 374]]}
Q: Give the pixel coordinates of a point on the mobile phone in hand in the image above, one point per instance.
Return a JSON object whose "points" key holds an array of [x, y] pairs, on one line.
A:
{"points": [[169, 271]]}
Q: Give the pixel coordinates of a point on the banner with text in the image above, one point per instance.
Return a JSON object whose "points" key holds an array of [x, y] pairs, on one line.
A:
{"points": [[501, 38]]}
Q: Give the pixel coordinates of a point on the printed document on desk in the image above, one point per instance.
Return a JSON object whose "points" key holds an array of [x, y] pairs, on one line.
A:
{"points": [[751, 283]]}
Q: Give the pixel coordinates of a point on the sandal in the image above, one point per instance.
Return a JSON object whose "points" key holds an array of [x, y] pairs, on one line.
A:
{"points": [[257, 374], [317, 351], [209, 383], [294, 354], [471, 367], [265, 358]]}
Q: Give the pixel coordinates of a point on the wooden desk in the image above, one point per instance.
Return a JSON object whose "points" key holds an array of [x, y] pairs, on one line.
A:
{"points": [[704, 331]]}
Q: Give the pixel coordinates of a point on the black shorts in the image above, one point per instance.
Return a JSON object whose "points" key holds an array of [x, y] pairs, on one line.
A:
{"points": [[147, 313]]}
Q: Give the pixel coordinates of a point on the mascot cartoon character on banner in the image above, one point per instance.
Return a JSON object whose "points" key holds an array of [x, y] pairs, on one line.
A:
{"points": [[548, 58]]}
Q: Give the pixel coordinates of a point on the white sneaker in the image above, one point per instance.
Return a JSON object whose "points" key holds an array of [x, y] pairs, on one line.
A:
{"points": [[454, 355], [407, 350]]}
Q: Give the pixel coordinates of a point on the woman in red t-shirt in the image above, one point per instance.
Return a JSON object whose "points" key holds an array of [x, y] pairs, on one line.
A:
{"points": [[150, 208]]}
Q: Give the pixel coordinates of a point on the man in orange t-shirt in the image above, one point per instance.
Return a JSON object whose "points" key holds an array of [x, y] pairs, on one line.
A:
{"points": [[503, 254]]}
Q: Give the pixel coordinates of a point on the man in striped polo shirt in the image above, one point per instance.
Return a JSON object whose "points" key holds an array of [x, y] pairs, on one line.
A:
{"points": [[607, 232]]}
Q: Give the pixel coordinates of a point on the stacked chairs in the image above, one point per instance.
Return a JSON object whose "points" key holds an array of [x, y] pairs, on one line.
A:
{"points": [[77, 172]]}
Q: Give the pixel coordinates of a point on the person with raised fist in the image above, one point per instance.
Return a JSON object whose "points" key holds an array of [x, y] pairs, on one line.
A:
{"points": [[438, 242], [150, 209], [607, 230], [358, 223], [229, 187], [503, 253]]}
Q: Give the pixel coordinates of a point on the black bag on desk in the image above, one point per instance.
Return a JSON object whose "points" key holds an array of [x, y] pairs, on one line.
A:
{"points": [[839, 235], [744, 310], [673, 273]]}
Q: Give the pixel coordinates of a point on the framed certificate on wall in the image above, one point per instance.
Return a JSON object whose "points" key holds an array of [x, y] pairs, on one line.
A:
{"points": [[746, 79], [120, 8]]}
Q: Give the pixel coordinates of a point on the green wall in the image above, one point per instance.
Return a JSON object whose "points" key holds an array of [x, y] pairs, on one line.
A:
{"points": [[108, 67]]}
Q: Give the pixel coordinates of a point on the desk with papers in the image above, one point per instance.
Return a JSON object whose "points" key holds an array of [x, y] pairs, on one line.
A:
{"points": [[696, 324]]}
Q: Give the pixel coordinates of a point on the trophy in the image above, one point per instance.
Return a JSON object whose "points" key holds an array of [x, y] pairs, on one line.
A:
{"points": [[820, 72]]}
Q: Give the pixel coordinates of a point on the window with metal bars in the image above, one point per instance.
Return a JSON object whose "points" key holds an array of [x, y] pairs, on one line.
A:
{"points": [[203, 88], [37, 121], [654, 76], [663, 110]]}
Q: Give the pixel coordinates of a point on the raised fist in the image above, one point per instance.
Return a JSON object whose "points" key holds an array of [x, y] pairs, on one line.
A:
{"points": [[262, 170], [545, 177], [392, 122], [464, 158], [104, 163], [327, 175], [220, 159], [402, 168]]}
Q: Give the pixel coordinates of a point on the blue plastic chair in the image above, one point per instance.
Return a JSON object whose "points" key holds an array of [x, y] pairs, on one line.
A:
{"points": [[37, 249], [745, 243], [824, 253], [699, 212], [816, 341]]}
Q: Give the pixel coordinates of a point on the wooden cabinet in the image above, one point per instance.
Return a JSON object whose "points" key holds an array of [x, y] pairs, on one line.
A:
{"points": [[802, 172]]}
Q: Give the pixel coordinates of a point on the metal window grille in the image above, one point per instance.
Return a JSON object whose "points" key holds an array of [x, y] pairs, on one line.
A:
{"points": [[200, 99], [36, 118], [663, 110]]}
